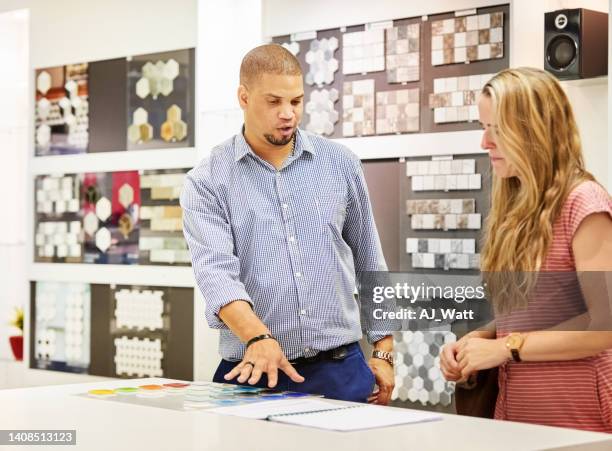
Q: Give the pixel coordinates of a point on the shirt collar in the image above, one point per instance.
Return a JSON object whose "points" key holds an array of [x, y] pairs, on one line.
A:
{"points": [[302, 143]]}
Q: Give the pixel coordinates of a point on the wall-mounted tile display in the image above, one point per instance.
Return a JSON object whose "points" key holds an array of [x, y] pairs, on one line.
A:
{"points": [[363, 51], [62, 326], [403, 53], [358, 104], [113, 217], [61, 110], [455, 98], [417, 368], [293, 47], [160, 99], [140, 102], [104, 330], [161, 233], [322, 112], [322, 65], [467, 38], [397, 111], [111, 206]]}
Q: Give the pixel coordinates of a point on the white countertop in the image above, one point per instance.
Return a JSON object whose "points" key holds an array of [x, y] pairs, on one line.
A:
{"points": [[105, 425]]}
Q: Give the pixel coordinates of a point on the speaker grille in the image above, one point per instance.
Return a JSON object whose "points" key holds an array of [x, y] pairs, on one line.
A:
{"points": [[561, 52]]}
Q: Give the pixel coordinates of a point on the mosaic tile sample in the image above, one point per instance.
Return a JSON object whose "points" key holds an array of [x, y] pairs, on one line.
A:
{"points": [[403, 53], [446, 222], [440, 206], [160, 100], [363, 51], [322, 112], [58, 234], [446, 182], [445, 261], [293, 47], [138, 357], [397, 111], [468, 38], [139, 309], [358, 108], [418, 377], [161, 234], [455, 98], [61, 330], [111, 205], [441, 167], [322, 65], [61, 110]]}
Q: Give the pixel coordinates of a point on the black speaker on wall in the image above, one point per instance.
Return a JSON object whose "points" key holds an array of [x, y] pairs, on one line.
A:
{"points": [[576, 43]]}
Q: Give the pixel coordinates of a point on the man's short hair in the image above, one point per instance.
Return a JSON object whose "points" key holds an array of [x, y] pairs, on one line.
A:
{"points": [[268, 59]]}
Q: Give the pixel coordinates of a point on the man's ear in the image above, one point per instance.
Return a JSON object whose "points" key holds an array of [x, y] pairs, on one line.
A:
{"points": [[243, 96]]}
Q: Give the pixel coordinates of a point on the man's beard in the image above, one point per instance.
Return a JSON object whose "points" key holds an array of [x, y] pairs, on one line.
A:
{"points": [[279, 142]]}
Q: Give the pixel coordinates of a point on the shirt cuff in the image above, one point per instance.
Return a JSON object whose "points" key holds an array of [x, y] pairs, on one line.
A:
{"points": [[373, 337], [219, 298]]}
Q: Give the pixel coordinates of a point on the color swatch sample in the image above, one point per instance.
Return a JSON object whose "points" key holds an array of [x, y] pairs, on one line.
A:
{"points": [[455, 98], [61, 330], [403, 53], [467, 38], [397, 111], [358, 105], [322, 65], [61, 112], [363, 51], [161, 235], [322, 112]]}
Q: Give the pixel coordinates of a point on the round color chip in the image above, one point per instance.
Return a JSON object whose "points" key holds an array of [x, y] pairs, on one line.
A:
{"points": [[176, 385], [150, 387], [101, 392], [126, 390]]}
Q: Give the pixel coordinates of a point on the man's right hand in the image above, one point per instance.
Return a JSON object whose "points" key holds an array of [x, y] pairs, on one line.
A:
{"points": [[264, 356]]}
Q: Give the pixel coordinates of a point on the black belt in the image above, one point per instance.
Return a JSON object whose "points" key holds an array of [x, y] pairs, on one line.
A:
{"points": [[338, 353]]}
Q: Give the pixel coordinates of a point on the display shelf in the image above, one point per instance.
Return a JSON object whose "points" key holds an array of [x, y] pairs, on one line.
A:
{"points": [[415, 145], [586, 82], [163, 276], [115, 161]]}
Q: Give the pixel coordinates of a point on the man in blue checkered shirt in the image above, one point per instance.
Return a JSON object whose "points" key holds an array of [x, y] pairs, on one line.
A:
{"points": [[279, 225]]}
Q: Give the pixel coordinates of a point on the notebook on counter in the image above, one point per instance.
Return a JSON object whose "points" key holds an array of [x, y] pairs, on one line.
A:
{"points": [[321, 414]]}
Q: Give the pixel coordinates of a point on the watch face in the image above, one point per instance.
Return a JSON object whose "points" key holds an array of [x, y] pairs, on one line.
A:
{"points": [[514, 341]]}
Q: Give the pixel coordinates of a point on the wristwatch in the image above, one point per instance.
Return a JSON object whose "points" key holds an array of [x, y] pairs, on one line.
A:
{"points": [[514, 343], [383, 355]]}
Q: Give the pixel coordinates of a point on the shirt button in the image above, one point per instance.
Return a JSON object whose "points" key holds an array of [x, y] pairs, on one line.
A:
{"points": [[298, 274], [302, 312], [306, 349], [292, 239], [285, 206]]}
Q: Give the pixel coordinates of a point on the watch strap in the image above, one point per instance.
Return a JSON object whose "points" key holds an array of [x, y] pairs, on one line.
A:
{"points": [[259, 338], [515, 355], [383, 355]]}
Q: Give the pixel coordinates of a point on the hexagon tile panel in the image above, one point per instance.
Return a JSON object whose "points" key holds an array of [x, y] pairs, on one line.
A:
{"points": [[321, 62], [321, 111], [417, 368]]}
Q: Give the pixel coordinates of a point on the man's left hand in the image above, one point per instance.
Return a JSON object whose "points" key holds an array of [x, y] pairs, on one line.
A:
{"points": [[385, 380]]}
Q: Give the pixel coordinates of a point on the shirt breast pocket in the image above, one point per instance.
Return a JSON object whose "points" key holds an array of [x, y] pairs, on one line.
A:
{"points": [[331, 208]]}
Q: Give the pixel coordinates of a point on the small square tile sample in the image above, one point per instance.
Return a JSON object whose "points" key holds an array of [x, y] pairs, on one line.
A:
{"points": [[161, 239], [61, 110], [467, 38], [322, 65], [138, 357], [397, 111], [322, 112], [455, 98], [418, 377], [358, 108], [403, 53], [363, 51], [62, 326]]}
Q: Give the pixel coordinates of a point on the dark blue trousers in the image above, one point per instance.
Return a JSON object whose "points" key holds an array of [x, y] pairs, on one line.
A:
{"points": [[349, 379]]}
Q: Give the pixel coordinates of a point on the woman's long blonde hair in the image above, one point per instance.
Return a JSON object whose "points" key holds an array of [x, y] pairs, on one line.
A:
{"points": [[537, 132]]}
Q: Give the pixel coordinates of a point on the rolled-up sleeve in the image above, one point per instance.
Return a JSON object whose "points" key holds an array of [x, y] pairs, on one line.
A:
{"points": [[209, 237]]}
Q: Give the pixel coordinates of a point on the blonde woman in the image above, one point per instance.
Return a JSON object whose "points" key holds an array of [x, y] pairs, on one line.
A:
{"points": [[547, 214]]}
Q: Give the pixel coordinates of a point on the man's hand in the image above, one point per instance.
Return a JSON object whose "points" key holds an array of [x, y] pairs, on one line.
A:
{"points": [[265, 356], [385, 379]]}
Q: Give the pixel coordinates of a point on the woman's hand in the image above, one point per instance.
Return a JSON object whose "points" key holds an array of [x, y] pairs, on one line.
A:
{"points": [[476, 354]]}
